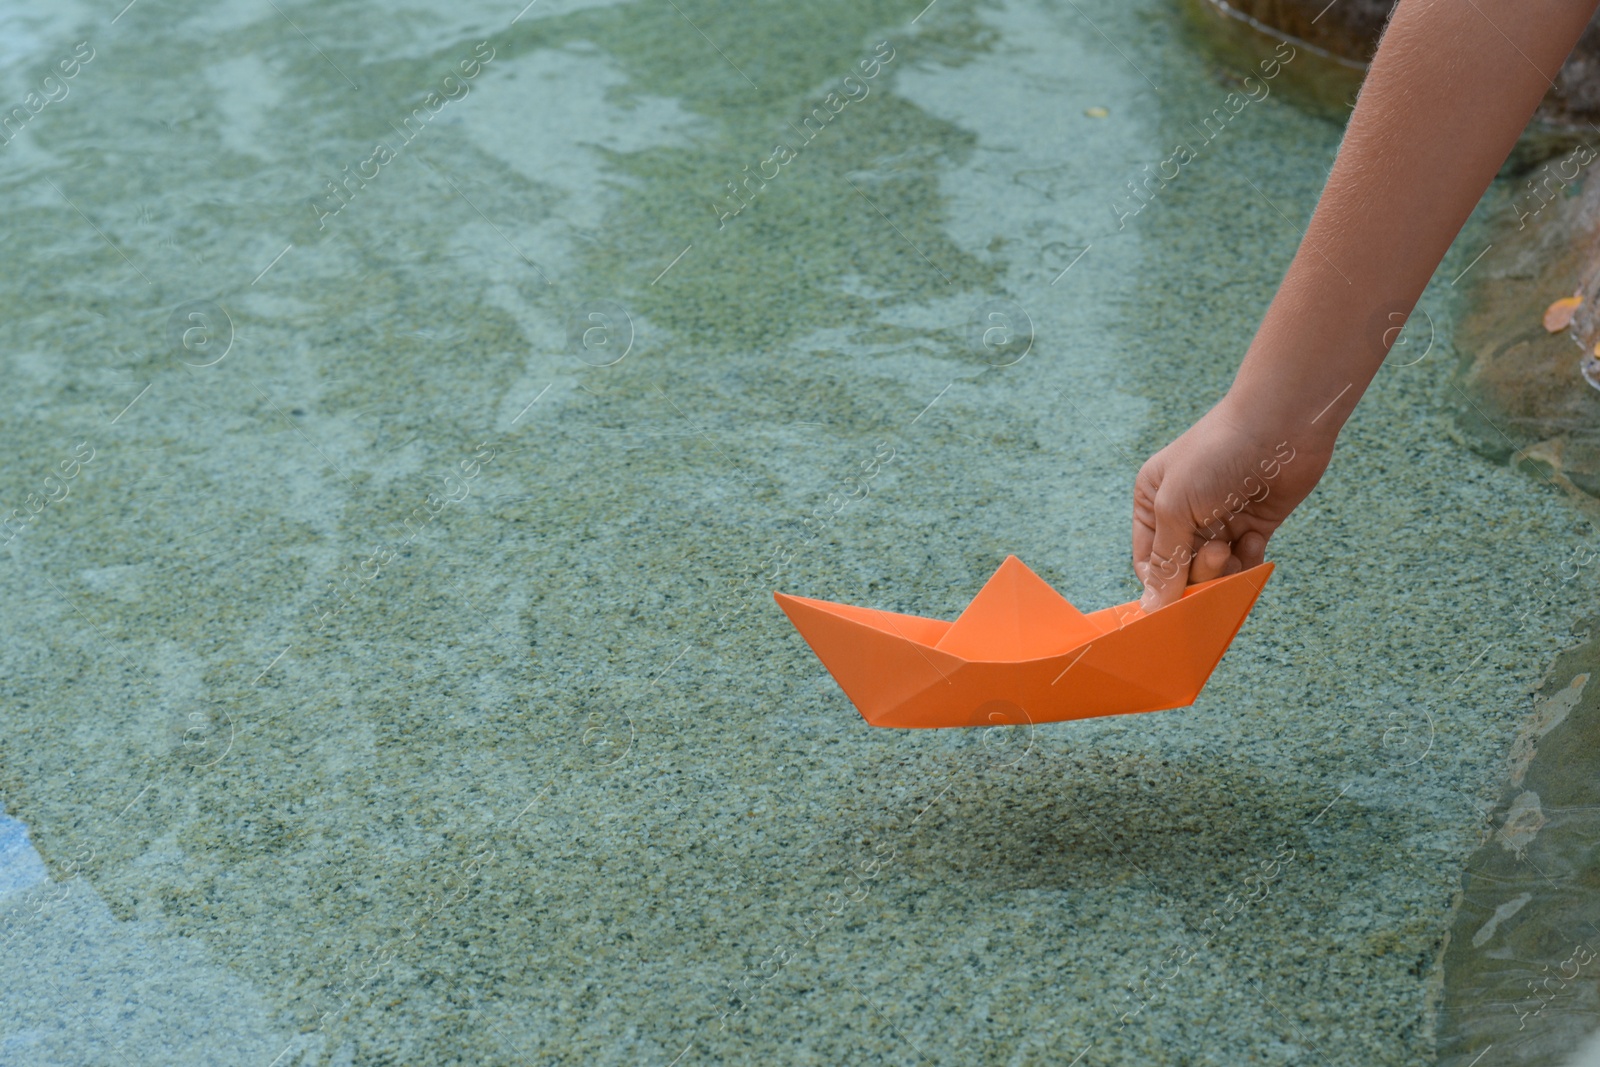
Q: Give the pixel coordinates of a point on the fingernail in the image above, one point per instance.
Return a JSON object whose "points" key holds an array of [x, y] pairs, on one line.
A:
{"points": [[1148, 601]]}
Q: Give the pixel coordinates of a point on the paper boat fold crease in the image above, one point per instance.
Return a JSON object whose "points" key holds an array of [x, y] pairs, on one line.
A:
{"points": [[1020, 653]]}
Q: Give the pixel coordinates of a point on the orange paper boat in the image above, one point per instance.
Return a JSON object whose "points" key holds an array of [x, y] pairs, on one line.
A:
{"points": [[1021, 654]]}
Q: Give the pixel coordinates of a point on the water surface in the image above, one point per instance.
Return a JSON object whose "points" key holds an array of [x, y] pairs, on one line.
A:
{"points": [[395, 678]]}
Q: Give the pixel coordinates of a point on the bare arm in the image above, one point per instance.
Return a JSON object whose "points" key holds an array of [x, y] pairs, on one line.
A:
{"points": [[1452, 86]]}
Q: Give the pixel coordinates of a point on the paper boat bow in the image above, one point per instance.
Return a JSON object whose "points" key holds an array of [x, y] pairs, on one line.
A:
{"points": [[1020, 653]]}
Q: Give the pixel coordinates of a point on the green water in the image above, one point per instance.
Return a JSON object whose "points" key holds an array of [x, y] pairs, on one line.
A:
{"points": [[395, 679]]}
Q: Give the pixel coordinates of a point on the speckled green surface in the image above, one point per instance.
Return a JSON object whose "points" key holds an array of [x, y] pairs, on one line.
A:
{"points": [[404, 687]]}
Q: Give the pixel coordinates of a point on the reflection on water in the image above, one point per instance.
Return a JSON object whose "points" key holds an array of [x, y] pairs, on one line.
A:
{"points": [[1524, 942], [20, 866], [394, 678]]}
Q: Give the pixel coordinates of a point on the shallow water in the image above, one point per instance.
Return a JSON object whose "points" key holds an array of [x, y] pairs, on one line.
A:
{"points": [[396, 678]]}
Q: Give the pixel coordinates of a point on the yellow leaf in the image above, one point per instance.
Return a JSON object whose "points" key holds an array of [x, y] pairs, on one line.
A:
{"points": [[1558, 316]]}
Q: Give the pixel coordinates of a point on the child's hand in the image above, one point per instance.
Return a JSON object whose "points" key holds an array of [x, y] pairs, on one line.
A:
{"points": [[1207, 504], [1449, 81]]}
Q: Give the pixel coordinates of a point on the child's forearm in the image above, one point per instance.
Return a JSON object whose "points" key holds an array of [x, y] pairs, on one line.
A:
{"points": [[1452, 86]]}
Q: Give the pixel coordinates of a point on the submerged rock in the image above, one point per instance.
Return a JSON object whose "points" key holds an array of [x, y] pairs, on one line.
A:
{"points": [[1335, 43], [1519, 971], [1528, 394]]}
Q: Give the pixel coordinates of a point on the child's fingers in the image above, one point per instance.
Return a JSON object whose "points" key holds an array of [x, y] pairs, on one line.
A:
{"points": [[1210, 562], [1144, 522], [1250, 549], [1143, 536], [1171, 553]]}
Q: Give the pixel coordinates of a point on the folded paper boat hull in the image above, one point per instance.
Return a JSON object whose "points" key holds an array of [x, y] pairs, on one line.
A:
{"points": [[887, 664]]}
